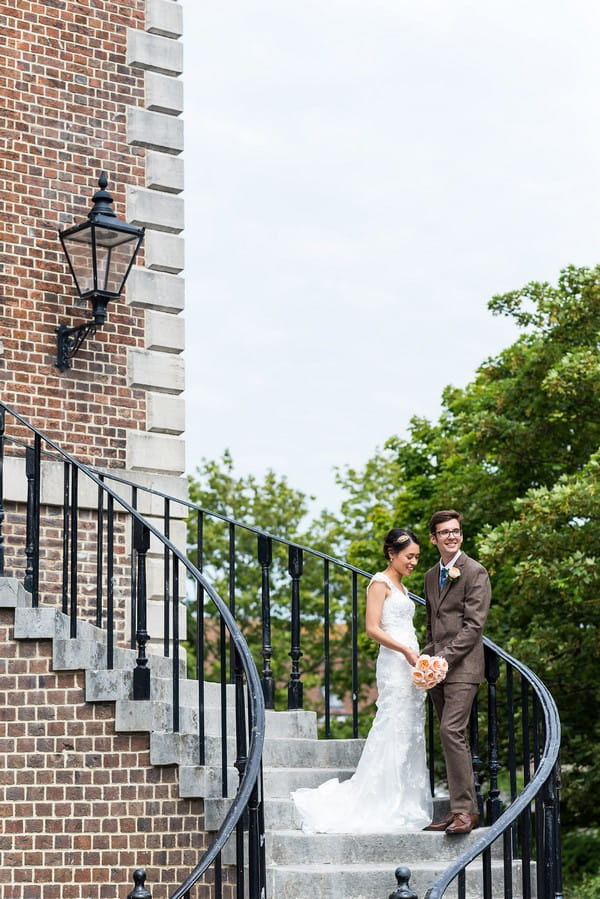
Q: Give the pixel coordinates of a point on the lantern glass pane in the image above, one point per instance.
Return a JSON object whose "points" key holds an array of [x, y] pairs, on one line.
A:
{"points": [[79, 251], [114, 252]]}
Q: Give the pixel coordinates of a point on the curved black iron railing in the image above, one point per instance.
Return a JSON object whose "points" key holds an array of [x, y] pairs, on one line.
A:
{"points": [[292, 586], [29, 445], [522, 723]]}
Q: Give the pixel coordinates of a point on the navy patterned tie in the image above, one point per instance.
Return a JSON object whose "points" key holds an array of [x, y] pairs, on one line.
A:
{"points": [[443, 576]]}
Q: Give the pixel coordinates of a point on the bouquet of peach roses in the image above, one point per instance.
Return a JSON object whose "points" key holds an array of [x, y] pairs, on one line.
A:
{"points": [[429, 671]]}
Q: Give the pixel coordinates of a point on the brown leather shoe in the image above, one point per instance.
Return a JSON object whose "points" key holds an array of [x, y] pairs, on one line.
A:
{"points": [[463, 823], [441, 825]]}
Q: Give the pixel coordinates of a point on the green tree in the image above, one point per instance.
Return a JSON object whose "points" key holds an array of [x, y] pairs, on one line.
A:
{"points": [[516, 452], [270, 505]]}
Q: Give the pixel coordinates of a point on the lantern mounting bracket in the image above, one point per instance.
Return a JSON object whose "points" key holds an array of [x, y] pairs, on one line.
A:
{"points": [[68, 341]]}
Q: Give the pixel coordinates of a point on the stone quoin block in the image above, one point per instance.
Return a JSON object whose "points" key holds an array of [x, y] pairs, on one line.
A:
{"points": [[164, 252], [164, 171], [154, 52], [162, 372], [154, 209], [164, 17], [165, 332], [155, 452], [163, 94], [165, 413], [157, 290], [154, 130]]}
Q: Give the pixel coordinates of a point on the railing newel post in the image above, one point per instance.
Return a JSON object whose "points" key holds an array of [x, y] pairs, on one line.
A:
{"points": [[403, 890], [265, 558], [141, 673], [139, 891], [295, 690]]}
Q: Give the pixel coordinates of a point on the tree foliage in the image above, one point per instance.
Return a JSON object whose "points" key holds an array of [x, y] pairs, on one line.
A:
{"points": [[516, 450]]}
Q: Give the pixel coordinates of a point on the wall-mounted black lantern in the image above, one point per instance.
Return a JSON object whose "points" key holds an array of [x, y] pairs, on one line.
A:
{"points": [[100, 253]]}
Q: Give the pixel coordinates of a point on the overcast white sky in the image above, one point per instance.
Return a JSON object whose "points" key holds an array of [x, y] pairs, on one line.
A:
{"points": [[361, 177]]}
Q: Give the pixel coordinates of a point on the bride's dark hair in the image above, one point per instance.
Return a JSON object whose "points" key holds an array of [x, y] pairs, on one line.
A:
{"points": [[397, 539]]}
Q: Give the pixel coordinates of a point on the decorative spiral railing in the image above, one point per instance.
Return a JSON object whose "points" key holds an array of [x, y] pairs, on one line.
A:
{"points": [[290, 630], [97, 536]]}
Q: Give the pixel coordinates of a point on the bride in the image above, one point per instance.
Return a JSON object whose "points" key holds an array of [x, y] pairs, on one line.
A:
{"points": [[389, 791]]}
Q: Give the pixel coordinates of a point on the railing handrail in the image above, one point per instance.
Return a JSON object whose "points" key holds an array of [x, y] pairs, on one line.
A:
{"points": [[548, 760], [257, 734], [550, 750]]}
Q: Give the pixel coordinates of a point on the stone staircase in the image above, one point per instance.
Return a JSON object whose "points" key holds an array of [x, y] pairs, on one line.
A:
{"points": [[300, 866]]}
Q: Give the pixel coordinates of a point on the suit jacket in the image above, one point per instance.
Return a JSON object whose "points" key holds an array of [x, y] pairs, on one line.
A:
{"points": [[456, 616]]}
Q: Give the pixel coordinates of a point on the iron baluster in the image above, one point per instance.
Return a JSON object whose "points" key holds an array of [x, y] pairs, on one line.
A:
{"points": [[354, 654], [133, 568], [507, 859], [74, 521], [99, 549], [2, 429], [462, 884], [110, 583], [255, 881], [475, 758], [166, 579], [224, 728], [175, 644], [539, 805], [240, 764], [558, 886], [486, 863], [295, 689], [492, 672], [30, 520], [141, 673], [200, 640], [37, 467], [326, 650], [525, 817], [265, 557], [232, 653], [65, 538], [512, 761]]}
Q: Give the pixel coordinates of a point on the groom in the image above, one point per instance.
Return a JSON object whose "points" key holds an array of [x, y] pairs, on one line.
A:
{"points": [[457, 596]]}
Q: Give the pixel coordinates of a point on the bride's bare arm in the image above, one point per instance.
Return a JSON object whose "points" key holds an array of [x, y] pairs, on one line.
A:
{"points": [[375, 598]]}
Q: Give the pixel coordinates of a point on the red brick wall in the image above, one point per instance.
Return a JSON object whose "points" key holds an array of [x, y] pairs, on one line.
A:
{"points": [[66, 88], [80, 805]]}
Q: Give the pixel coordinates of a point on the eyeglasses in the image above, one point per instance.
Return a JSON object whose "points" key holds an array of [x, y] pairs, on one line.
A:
{"points": [[455, 532]]}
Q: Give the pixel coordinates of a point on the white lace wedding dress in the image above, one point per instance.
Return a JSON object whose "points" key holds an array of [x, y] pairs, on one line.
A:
{"points": [[389, 791]]}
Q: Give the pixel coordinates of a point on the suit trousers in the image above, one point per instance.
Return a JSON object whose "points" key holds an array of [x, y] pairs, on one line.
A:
{"points": [[453, 702]]}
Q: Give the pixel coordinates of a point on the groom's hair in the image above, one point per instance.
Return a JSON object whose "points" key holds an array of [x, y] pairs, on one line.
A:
{"points": [[444, 515]]}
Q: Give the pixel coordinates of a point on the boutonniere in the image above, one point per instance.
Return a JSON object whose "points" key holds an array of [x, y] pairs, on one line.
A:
{"points": [[453, 573]]}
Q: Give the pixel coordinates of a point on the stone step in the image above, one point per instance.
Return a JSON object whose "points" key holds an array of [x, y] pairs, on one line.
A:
{"points": [[183, 749], [376, 881], [292, 847]]}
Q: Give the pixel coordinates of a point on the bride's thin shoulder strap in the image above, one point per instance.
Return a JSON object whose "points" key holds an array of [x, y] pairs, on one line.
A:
{"points": [[381, 578]]}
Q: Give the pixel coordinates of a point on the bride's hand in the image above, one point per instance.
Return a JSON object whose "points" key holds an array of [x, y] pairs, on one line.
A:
{"points": [[411, 657]]}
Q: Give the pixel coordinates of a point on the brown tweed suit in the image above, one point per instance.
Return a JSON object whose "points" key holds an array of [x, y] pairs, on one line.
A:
{"points": [[456, 616]]}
